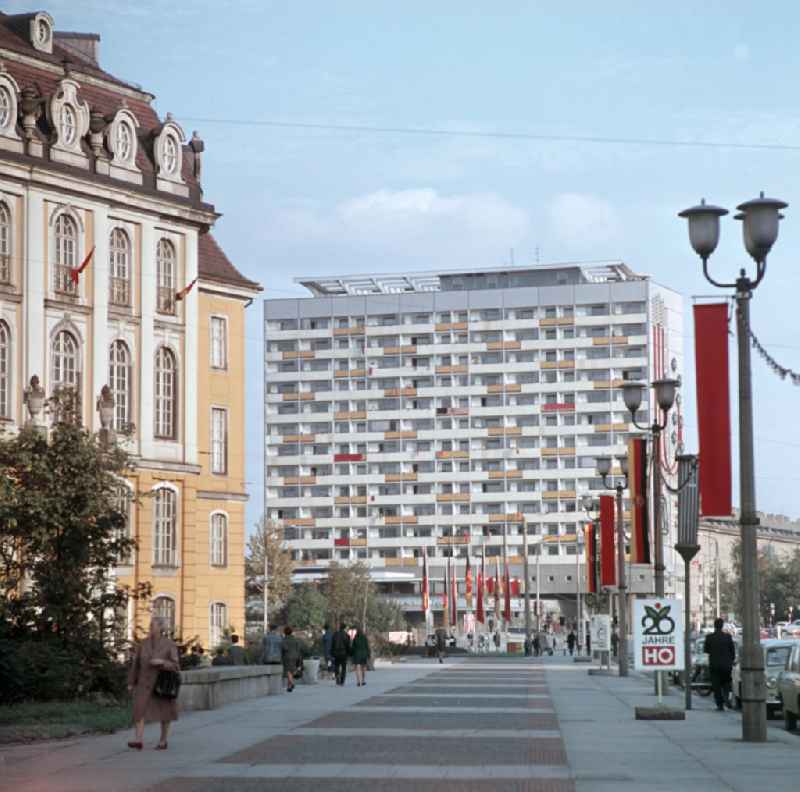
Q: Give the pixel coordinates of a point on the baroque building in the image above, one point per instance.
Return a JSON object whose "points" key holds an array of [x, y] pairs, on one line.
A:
{"points": [[109, 275]]}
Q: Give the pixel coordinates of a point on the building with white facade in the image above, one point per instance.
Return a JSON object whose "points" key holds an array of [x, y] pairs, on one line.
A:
{"points": [[440, 411]]}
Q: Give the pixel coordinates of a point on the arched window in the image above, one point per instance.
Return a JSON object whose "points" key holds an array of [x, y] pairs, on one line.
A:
{"points": [[165, 533], [170, 154], [5, 244], [124, 141], [66, 253], [65, 361], [218, 621], [5, 371], [219, 540], [6, 107], [119, 264], [165, 275], [69, 125], [164, 608], [166, 393], [119, 380]]}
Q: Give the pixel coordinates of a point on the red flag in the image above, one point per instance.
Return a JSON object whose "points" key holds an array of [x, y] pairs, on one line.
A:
{"points": [[426, 601], [608, 564], [591, 559], [446, 597], [637, 478], [184, 291], [516, 587], [453, 595], [468, 584], [480, 615], [713, 408], [507, 587], [74, 273], [496, 589]]}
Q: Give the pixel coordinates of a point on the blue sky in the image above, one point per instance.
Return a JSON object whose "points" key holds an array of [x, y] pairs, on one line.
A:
{"points": [[315, 202]]}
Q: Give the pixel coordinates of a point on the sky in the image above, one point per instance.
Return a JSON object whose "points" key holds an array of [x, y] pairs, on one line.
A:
{"points": [[309, 201]]}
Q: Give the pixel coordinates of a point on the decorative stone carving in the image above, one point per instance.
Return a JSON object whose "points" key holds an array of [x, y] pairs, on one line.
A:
{"points": [[105, 408], [198, 147], [34, 398], [69, 120], [41, 32]]}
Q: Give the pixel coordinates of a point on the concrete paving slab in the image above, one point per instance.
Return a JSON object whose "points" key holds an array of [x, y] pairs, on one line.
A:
{"points": [[433, 719]]}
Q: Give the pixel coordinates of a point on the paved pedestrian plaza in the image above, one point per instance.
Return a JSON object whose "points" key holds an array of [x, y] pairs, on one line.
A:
{"points": [[470, 724]]}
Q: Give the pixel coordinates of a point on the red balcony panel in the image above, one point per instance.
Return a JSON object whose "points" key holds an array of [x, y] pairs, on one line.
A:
{"points": [[349, 457], [343, 542], [558, 406]]}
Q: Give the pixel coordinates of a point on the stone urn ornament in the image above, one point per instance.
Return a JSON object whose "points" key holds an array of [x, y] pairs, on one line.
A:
{"points": [[34, 398], [105, 409]]}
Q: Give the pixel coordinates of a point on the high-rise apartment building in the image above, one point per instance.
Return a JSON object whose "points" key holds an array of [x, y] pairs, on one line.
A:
{"points": [[438, 412]]}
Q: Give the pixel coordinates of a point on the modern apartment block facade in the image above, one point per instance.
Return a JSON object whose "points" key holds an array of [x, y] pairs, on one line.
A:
{"points": [[439, 412]]}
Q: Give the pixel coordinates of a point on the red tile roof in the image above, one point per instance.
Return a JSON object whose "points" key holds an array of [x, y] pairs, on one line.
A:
{"points": [[215, 265]]}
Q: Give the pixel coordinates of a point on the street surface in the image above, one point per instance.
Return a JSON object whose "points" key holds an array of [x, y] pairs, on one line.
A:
{"points": [[539, 725]]}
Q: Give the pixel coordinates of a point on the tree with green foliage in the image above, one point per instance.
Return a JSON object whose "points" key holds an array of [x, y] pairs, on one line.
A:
{"points": [[307, 608], [268, 538]]}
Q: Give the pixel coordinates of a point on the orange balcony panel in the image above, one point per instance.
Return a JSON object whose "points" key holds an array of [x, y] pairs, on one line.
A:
{"points": [[514, 474], [393, 350], [494, 431], [494, 388], [394, 562], [451, 369], [496, 474], [601, 384], [306, 397], [548, 452], [399, 435], [601, 340], [300, 480], [358, 373], [342, 500], [548, 364], [358, 500], [358, 543], [564, 321], [492, 346], [293, 396], [452, 454], [513, 388], [341, 331], [556, 494], [622, 340], [341, 373], [453, 497], [408, 349], [513, 431], [300, 521], [566, 364]]}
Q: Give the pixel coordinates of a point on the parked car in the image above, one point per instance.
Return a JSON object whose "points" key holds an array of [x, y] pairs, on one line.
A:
{"points": [[789, 688], [776, 656]]}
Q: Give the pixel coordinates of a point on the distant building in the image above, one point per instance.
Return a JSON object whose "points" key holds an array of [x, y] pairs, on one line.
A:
{"points": [[90, 173], [439, 411]]}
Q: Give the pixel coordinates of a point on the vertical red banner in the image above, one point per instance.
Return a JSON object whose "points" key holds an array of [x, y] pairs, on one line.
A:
{"points": [[713, 408], [608, 564], [637, 484], [591, 559]]}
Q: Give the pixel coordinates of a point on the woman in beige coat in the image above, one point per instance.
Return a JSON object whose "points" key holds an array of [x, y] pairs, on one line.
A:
{"points": [[154, 653]]}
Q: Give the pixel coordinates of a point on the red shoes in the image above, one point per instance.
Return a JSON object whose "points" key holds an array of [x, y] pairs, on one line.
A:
{"points": [[137, 745]]}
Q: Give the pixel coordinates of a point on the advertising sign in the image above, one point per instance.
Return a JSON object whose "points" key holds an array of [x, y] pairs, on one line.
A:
{"points": [[658, 634], [600, 633]]}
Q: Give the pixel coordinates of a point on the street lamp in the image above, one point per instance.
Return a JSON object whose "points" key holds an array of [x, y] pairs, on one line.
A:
{"points": [[604, 469], [760, 223]]}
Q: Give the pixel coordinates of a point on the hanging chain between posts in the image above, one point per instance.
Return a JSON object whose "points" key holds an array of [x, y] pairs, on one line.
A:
{"points": [[780, 370]]}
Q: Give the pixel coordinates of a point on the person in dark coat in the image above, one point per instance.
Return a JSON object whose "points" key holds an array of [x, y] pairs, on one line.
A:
{"points": [[327, 640], [721, 653], [236, 653], [537, 645], [340, 650], [154, 653], [441, 645], [361, 652], [290, 656], [571, 640]]}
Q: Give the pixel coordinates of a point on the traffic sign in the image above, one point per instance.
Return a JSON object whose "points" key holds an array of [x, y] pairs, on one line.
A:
{"points": [[658, 635]]}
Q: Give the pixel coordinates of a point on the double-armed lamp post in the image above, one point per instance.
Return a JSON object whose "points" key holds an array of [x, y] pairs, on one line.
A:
{"points": [[760, 220]]}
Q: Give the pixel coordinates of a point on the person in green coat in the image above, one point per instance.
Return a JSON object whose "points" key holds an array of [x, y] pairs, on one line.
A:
{"points": [[291, 654], [360, 653]]}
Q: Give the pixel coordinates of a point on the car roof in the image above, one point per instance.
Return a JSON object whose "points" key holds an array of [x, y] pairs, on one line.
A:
{"points": [[770, 642]]}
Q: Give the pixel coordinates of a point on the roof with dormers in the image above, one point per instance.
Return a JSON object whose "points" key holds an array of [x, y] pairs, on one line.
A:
{"points": [[107, 94]]}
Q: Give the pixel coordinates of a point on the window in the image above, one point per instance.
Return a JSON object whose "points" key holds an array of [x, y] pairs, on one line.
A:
{"points": [[6, 107], [166, 386], [165, 276], [66, 253], [124, 141], [170, 154], [65, 361], [165, 533], [5, 244], [119, 380], [5, 371], [218, 623], [69, 125], [219, 342], [119, 264], [219, 540], [164, 608], [219, 440]]}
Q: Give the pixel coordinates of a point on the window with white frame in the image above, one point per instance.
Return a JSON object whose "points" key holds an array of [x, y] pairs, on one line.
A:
{"points": [[5, 244], [170, 155], [66, 239], [165, 276], [6, 107], [219, 440], [69, 125], [124, 141], [164, 608], [218, 622], [119, 380], [119, 265], [165, 535], [65, 361], [219, 342], [219, 540], [5, 371], [166, 393]]}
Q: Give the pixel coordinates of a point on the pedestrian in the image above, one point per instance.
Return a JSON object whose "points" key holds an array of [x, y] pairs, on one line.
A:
{"points": [[340, 650], [271, 647], [588, 643], [497, 640], [537, 645], [614, 643], [441, 645], [327, 640], [236, 653], [155, 653], [361, 652], [527, 646], [290, 656], [571, 641], [721, 653]]}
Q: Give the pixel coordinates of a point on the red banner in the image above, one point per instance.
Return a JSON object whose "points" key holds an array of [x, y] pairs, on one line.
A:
{"points": [[713, 408], [453, 596], [468, 585], [426, 602], [507, 590], [591, 559], [608, 564], [637, 486], [480, 615]]}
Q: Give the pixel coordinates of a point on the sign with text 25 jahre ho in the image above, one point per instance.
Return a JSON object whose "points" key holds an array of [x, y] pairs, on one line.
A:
{"points": [[658, 634]]}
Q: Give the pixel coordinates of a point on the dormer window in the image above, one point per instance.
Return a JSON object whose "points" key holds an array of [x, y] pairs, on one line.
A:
{"points": [[42, 32], [69, 125], [170, 155], [6, 107], [124, 141]]}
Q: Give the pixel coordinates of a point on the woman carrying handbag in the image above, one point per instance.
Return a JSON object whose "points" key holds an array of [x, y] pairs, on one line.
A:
{"points": [[154, 680]]}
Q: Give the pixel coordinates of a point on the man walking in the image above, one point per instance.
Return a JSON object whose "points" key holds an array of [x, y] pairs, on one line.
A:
{"points": [[327, 641], [571, 640], [721, 653], [340, 650], [441, 645]]}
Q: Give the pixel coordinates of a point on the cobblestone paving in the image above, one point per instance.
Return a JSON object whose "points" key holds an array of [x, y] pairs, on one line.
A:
{"points": [[478, 725]]}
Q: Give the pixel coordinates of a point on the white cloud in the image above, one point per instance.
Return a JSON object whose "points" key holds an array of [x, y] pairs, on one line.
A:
{"points": [[410, 227], [581, 220]]}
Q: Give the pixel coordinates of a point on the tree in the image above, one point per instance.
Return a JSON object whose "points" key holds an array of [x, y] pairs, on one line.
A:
{"points": [[268, 535], [307, 608], [348, 590]]}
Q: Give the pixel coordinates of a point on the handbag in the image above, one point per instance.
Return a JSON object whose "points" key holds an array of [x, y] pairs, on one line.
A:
{"points": [[168, 684]]}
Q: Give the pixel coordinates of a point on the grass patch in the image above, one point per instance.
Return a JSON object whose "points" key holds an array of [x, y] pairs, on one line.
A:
{"points": [[57, 719]]}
